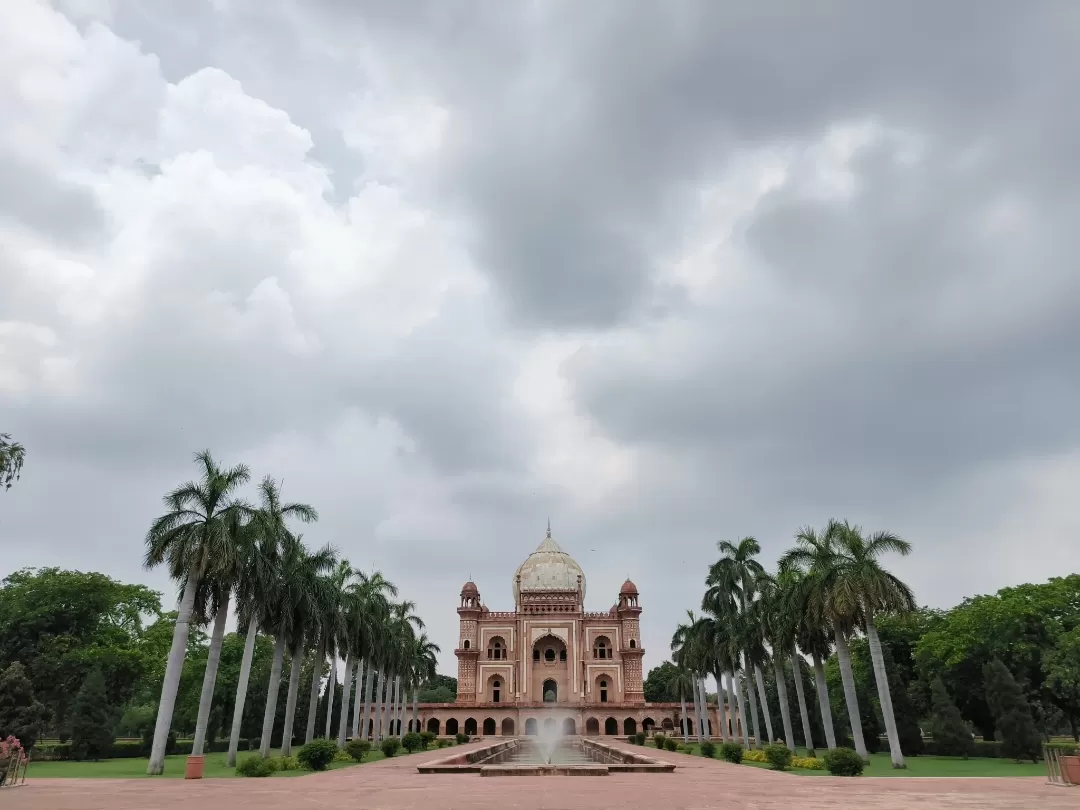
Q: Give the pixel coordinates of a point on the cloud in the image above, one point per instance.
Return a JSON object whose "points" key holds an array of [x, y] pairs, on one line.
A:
{"points": [[666, 278]]}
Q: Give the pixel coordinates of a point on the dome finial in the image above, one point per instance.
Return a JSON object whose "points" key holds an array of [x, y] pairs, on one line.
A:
{"points": [[549, 527]]}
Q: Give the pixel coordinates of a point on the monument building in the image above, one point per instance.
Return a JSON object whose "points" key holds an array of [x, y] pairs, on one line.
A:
{"points": [[550, 663]]}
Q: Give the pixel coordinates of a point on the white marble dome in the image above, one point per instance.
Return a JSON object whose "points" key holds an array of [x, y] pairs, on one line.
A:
{"points": [[548, 568]]}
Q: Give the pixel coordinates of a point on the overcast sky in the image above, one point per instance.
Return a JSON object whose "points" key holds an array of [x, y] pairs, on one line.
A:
{"points": [[668, 273]]}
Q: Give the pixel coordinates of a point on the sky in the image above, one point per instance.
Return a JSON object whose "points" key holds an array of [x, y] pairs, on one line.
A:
{"points": [[664, 273]]}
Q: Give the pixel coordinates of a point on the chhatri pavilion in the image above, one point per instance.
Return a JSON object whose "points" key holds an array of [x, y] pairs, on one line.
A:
{"points": [[549, 664]]}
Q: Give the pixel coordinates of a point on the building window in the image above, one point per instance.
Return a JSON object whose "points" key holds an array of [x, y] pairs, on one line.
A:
{"points": [[536, 655], [602, 648], [466, 644], [549, 655], [632, 644], [603, 691], [562, 655], [495, 691], [497, 649]]}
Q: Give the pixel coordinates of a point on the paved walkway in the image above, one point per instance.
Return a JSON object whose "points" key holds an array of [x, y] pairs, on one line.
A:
{"points": [[394, 784]]}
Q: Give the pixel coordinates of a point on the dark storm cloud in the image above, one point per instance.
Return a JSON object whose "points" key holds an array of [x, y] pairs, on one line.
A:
{"points": [[35, 197]]}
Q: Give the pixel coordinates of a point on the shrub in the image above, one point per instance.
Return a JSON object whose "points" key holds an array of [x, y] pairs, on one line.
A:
{"points": [[732, 752], [671, 744], [445, 743], [461, 738], [779, 756], [754, 755], [658, 740], [342, 756], [411, 742], [317, 754], [91, 720], [808, 763], [1016, 727], [427, 738], [844, 762], [286, 763], [390, 746], [254, 766], [357, 749], [708, 749]]}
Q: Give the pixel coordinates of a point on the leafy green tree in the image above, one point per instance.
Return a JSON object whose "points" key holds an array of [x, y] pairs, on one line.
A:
{"points": [[93, 721], [60, 625], [20, 715], [947, 727], [1019, 738], [12, 456], [1062, 666], [658, 687]]}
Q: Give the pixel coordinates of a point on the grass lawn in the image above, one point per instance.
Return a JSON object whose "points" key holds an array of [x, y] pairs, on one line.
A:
{"points": [[881, 765], [214, 767]]}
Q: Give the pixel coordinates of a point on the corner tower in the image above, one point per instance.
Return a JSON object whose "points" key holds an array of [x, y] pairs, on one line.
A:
{"points": [[631, 653], [468, 649]]}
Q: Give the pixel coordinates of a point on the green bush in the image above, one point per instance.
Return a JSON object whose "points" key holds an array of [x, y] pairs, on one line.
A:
{"points": [[390, 746], [461, 738], [732, 752], [411, 742], [317, 754], [708, 749], [446, 743], [779, 756], [357, 749], [950, 732], [658, 740], [671, 744], [427, 738], [254, 766], [287, 763], [844, 762]]}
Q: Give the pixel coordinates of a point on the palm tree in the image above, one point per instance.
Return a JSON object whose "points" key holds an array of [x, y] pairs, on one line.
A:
{"points": [[815, 554], [294, 592], [256, 583], [736, 572], [366, 611], [682, 682], [330, 621], [688, 651], [791, 617], [779, 626], [194, 540], [814, 634], [423, 669], [860, 589], [403, 628], [12, 456]]}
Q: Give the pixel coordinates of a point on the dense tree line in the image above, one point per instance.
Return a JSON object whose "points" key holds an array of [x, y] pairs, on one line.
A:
{"points": [[1004, 666]]}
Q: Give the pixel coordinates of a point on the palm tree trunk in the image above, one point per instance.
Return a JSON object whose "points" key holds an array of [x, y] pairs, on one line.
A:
{"points": [[271, 697], [399, 705], [740, 694], [733, 729], [376, 714], [358, 685], [290, 701], [755, 715], [241, 691], [697, 712], [213, 656], [387, 683], [721, 709], [823, 702], [764, 703], [704, 709], [403, 699], [843, 657], [416, 709], [313, 695], [682, 700], [796, 669], [173, 669], [346, 701], [884, 694], [330, 686], [782, 695], [369, 683]]}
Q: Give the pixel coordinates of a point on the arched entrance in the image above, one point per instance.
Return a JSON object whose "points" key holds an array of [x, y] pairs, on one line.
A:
{"points": [[667, 724], [433, 725], [569, 727], [489, 727], [470, 726], [629, 726], [508, 727], [647, 725], [451, 727], [549, 725], [592, 726], [611, 726], [551, 691], [530, 727]]}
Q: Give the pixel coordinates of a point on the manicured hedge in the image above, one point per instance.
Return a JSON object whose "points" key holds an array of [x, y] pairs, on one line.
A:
{"points": [[129, 749]]}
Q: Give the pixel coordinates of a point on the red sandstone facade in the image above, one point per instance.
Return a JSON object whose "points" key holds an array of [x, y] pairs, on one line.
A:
{"points": [[550, 664]]}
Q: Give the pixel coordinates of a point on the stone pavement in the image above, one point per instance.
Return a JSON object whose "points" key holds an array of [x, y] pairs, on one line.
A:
{"points": [[395, 785]]}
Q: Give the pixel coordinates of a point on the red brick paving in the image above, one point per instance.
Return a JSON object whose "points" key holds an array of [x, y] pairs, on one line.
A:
{"points": [[395, 785]]}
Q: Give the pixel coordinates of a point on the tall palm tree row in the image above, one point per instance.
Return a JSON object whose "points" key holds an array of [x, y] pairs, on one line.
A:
{"points": [[828, 589], [225, 553]]}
